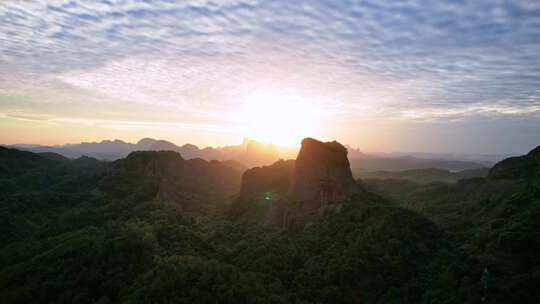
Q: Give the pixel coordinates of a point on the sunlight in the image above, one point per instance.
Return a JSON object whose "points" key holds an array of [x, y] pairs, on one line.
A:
{"points": [[280, 119]]}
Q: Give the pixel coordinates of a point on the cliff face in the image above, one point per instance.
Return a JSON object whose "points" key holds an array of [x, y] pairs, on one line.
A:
{"points": [[301, 190], [322, 175]]}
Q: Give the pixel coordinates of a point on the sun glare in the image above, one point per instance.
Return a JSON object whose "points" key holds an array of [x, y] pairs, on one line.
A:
{"points": [[280, 119]]}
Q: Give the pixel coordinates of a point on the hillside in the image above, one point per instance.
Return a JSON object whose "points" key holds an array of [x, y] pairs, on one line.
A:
{"points": [[497, 217], [86, 231], [188, 183]]}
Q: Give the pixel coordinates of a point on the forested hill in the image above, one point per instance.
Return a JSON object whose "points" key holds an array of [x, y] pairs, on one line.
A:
{"points": [[495, 220], [144, 229]]}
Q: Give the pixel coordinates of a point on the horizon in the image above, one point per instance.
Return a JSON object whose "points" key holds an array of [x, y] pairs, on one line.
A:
{"points": [[384, 77], [288, 149]]}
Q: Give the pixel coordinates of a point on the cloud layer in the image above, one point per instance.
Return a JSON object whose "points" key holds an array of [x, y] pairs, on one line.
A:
{"points": [[198, 60]]}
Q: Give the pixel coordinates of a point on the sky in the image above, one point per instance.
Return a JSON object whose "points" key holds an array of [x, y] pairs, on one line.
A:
{"points": [[431, 76]]}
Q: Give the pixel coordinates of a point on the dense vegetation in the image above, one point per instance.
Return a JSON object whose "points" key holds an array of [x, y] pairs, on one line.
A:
{"points": [[495, 220], [70, 233]]}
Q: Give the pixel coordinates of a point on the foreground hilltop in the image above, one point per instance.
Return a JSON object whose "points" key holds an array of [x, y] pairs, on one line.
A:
{"points": [[322, 175], [299, 191]]}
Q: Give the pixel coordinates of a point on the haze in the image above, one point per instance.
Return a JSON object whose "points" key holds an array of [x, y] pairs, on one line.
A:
{"points": [[442, 76]]}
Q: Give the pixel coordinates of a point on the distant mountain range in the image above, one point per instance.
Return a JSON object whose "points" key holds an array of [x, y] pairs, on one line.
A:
{"points": [[486, 159], [377, 163], [251, 153], [428, 175]]}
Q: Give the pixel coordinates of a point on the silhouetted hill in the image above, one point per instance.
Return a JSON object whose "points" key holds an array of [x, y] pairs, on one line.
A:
{"points": [[275, 179], [53, 156], [15, 162], [166, 176]]}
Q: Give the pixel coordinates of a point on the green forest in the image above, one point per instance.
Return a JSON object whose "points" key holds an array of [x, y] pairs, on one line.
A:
{"points": [[73, 232]]}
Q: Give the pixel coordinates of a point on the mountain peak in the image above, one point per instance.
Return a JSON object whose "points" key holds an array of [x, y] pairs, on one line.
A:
{"points": [[147, 142], [309, 142], [322, 167], [115, 141], [190, 146], [319, 179]]}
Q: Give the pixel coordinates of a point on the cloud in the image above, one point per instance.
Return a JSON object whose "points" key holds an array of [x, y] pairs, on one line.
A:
{"points": [[428, 60], [476, 111], [117, 124], [31, 117]]}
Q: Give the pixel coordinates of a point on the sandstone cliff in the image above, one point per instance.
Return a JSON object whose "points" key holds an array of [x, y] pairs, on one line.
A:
{"points": [[322, 175], [298, 191]]}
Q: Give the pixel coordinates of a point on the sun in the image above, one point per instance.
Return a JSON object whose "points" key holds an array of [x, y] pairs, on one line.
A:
{"points": [[281, 119]]}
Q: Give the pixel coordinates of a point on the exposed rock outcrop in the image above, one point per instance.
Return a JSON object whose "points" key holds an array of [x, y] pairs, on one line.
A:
{"points": [[299, 191], [322, 175]]}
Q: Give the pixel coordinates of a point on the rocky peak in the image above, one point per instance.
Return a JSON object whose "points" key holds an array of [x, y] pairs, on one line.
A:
{"points": [[319, 179], [322, 174], [145, 143]]}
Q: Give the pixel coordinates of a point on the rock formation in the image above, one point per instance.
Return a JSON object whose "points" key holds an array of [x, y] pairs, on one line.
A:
{"points": [[319, 179], [322, 174], [322, 181]]}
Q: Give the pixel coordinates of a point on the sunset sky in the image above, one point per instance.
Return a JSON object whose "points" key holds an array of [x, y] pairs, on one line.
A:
{"points": [[432, 76]]}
